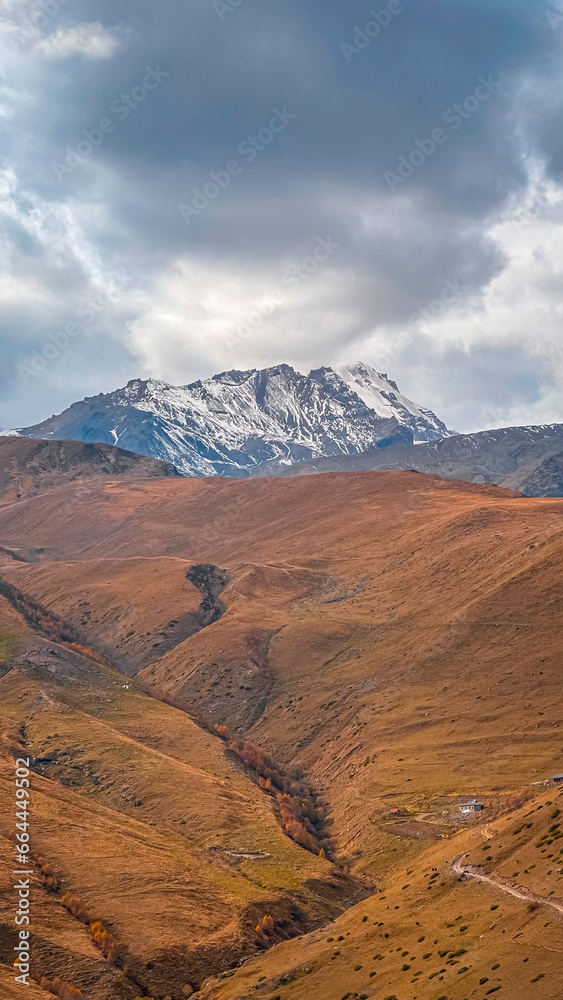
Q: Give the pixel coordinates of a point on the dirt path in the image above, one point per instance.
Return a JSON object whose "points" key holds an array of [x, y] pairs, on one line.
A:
{"points": [[529, 897]]}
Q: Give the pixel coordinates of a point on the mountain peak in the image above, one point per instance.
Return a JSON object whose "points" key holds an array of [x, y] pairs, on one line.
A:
{"points": [[382, 395], [238, 422]]}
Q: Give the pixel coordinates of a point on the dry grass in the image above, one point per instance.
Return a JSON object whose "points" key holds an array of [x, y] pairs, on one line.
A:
{"points": [[396, 636], [426, 935]]}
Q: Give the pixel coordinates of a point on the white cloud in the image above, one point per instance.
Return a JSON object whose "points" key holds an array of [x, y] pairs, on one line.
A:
{"points": [[187, 325], [212, 315], [90, 40]]}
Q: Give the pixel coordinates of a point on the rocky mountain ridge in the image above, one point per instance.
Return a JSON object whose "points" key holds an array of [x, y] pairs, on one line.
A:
{"points": [[242, 421]]}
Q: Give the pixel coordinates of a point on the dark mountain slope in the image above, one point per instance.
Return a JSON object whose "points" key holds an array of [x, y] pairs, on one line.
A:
{"points": [[27, 466], [526, 459]]}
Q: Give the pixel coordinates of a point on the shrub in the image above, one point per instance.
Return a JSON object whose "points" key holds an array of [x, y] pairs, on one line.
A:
{"points": [[104, 941], [60, 989], [265, 928], [50, 880], [75, 907], [300, 813], [269, 933]]}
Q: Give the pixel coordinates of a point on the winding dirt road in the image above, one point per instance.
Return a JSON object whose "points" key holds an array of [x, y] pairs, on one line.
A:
{"points": [[529, 897]]}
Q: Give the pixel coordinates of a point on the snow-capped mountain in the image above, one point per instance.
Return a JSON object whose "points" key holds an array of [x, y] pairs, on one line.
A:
{"points": [[239, 421]]}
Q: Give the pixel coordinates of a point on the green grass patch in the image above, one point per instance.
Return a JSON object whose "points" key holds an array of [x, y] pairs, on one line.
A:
{"points": [[8, 644]]}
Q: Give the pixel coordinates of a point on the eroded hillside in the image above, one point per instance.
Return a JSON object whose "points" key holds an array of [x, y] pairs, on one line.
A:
{"points": [[144, 819], [392, 637]]}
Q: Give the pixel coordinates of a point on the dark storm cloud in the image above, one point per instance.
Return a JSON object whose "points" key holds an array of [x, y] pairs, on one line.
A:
{"points": [[186, 86]]}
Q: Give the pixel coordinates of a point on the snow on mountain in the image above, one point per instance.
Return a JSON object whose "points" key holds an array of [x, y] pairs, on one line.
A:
{"points": [[382, 395], [239, 421]]}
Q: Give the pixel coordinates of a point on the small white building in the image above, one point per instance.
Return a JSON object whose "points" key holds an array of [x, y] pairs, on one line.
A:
{"points": [[467, 808]]}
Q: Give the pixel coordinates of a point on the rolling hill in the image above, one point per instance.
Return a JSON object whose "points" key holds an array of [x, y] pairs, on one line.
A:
{"points": [[390, 642]]}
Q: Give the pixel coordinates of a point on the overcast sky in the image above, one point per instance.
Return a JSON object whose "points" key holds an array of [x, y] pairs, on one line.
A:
{"points": [[191, 187]]}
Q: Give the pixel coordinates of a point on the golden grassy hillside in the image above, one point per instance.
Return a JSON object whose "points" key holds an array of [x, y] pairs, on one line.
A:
{"points": [[149, 823], [429, 934], [393, 635], [396, 634]]}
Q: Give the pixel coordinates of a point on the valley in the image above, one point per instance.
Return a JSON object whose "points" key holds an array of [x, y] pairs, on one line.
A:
{"points": [[384, 645]]}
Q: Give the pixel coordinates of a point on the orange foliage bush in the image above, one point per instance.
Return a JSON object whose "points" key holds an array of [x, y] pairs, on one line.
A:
{"points": [[269, 933], [265, 927], [91, 654], [104, 940], [223, 732], [75, 907], [48, 623], [50, 880], [297, 808], [60, 989]]}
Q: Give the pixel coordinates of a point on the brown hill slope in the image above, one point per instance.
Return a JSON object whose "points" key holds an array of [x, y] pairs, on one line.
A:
{"points": [[396, 635], [143, 818], [431, 934], [369, 618]]}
